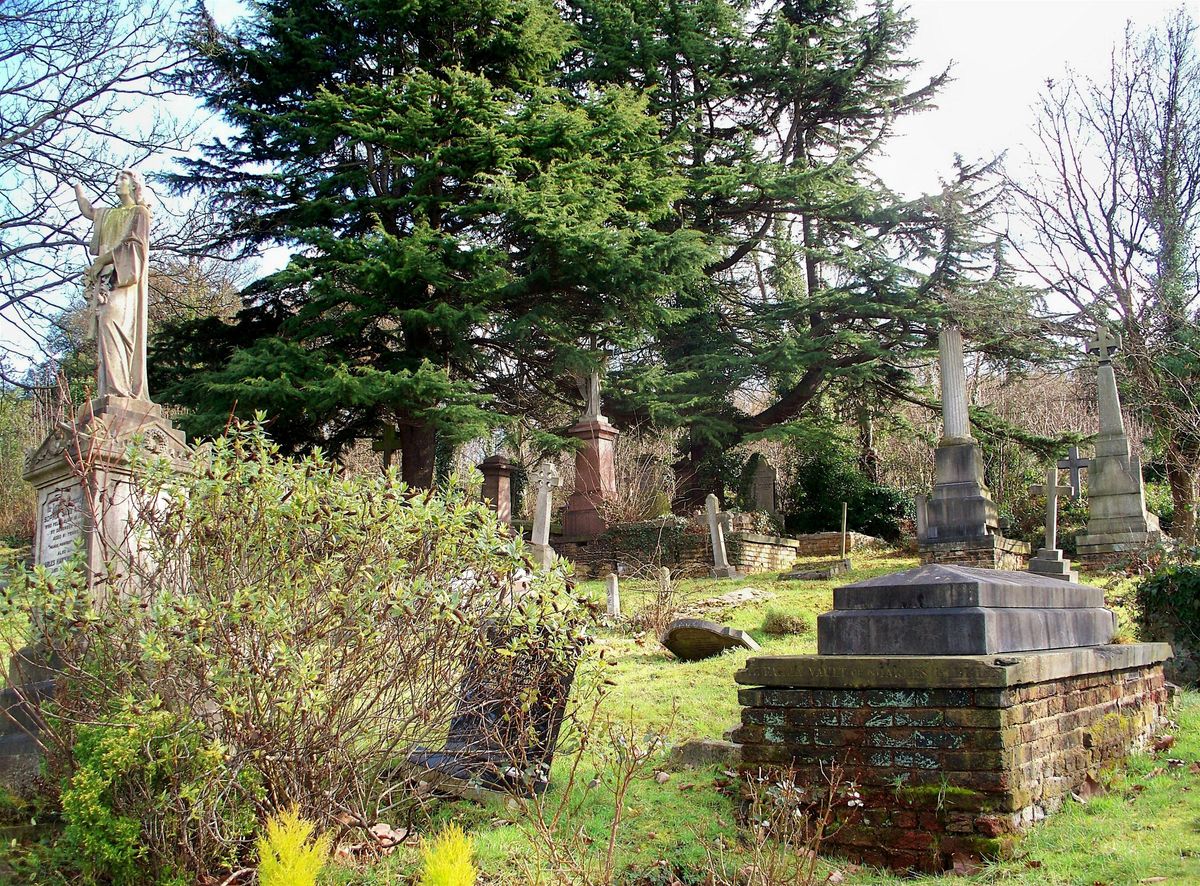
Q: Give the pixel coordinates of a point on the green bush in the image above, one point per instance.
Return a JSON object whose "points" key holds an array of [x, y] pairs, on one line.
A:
{"points": [[1168, 610], [830, 476], [286, 637]]}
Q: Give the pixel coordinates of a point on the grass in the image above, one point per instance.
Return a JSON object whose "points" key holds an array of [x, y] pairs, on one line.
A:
{"points": [[1146, 826]]}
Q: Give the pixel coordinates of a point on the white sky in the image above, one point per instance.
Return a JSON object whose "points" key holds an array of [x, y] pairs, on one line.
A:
{"points": [[1002, 53]]}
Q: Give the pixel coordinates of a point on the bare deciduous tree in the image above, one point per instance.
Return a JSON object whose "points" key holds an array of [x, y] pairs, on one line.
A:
{"points": [[80, 84], [1114, 202]]}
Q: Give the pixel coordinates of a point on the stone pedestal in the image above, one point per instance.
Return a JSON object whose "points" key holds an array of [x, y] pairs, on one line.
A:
{"points": [[497, 485], [957, 610], [960, 522], [86, 502], [953, 756], [595, 477], [1118, 522], [982, 552], [1051, 563]]}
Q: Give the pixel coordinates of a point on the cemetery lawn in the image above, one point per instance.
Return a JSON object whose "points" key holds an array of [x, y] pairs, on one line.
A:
{"points": [[1146, 826]]}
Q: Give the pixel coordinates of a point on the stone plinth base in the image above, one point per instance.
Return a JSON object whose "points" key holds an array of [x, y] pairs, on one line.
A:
{"points": [[595, 477], [1098, 552], [953, 756], [1051, 563], [982, 551]]}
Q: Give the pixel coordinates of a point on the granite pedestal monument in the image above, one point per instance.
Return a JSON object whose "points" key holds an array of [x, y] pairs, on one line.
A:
{"points": [[497, 485], [1118, 522], [595, 467]]}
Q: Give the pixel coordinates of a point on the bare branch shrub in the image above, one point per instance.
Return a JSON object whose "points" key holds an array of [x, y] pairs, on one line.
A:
{"points": [[286, 636]]}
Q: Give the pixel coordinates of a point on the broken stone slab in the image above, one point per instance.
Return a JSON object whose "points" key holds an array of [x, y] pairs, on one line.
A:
{"points": [[731, 600], [693, 639], [838, 567]]}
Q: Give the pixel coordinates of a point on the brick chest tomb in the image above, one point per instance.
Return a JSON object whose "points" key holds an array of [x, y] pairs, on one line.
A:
{"points": [[964, 703]]}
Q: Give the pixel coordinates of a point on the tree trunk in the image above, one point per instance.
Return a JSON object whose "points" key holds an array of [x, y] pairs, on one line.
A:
{"points": [[418, 453], [868, 455], [694, 480], [1182, 464]]}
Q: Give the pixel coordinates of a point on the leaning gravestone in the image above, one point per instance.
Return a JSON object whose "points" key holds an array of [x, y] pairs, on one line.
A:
{"points": [[499, 741], [716, 534], [82, 473], [693, 639]]}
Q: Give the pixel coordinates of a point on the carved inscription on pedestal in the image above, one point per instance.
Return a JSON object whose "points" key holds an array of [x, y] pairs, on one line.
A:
{"points": [[61, 521]]}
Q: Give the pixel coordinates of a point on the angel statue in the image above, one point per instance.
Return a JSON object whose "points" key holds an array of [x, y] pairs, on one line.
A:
{"points": [[117, 286]]}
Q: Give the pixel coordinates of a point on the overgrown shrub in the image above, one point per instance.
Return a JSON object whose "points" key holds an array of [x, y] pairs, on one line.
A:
{"points": [[446, 860], [779, 623], [825, 478], [1168, 610], [287, 637]]}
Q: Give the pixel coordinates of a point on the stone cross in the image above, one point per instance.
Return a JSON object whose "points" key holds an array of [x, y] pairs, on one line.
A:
{"points": [[716, 532], [545, 480], [1104, 344], [1076, 466], [613, 587], [1108, 403], [389, 444], [952, 367], [1052, 491]]}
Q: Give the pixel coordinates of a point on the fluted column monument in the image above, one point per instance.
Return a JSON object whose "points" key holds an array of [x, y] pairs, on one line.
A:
{"points": [[961, 524]]}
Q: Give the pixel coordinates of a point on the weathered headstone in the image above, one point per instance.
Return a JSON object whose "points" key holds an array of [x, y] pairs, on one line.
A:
{"points": [[962, 524], [763, 487], [497, 485], [497, 742], [1049, 560], [693, 639], [1118, 522], [922, 507], [613, 588], [387, 445], [716, 533], [545, 479], [1076, 466]]}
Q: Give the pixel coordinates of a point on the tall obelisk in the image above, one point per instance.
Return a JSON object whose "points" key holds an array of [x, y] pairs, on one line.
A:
{"points": [[1118, 522]]}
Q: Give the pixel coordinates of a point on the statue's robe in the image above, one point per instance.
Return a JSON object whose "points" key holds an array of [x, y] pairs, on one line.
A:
{"points": [[121, 319]]}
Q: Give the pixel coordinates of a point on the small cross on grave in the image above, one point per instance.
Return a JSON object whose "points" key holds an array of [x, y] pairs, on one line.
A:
{"points": [[1076, 466], [389, 445], [1105, 344], [1052, 491], [545, 480]]}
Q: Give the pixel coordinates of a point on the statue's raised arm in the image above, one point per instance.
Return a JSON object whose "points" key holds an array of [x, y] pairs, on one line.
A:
{"points": [[118, 285], [85, 205]]}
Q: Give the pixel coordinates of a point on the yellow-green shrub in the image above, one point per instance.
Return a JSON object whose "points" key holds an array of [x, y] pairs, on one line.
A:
{"points": [[447, 860], [287, 854]]}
